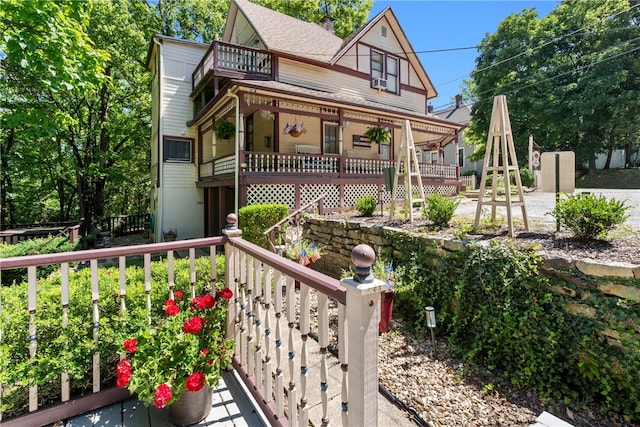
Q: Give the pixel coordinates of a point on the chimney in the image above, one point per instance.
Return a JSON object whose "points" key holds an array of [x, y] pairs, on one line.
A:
{"points": [[327, 23], [458, 101], [429, 108]]}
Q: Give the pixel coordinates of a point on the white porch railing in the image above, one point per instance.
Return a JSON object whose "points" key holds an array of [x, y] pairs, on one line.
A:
{"points": [[269, 319]]}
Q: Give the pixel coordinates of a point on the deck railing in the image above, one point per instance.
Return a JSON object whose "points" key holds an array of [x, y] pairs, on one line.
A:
{"points": [[254, 162], [235, 59], [269, 319]]}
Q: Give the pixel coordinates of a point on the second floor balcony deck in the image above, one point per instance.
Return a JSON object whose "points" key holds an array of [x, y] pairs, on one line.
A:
{"points": [[229, 60]]}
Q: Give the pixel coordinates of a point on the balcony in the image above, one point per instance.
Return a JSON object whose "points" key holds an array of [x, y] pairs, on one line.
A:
{"points": [[269, 324], [229, 60]]}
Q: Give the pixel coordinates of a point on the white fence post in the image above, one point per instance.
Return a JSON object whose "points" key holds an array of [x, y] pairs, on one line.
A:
{"points": [[231, 274], [363, 315]]}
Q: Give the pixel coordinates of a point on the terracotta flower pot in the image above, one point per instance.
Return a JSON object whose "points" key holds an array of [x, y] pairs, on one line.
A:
{"points": [[191, 408]]}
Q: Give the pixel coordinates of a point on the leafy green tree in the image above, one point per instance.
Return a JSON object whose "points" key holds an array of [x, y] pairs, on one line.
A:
{"points": [[571, 78]]}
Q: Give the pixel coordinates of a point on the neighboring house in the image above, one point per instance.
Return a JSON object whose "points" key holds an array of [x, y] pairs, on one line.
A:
{"points": [[300, 99], [459, 113]]}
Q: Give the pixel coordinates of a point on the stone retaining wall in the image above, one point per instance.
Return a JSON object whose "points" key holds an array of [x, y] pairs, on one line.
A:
{"points": [[583, 282]]}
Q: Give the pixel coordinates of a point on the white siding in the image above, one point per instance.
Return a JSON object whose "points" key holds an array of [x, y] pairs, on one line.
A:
{"points": [[181, 203], [333, 81]]}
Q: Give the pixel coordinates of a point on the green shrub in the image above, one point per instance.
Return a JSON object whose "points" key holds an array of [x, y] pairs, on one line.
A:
{"points": [[589, 216], [526, 177], [366, 205], [439, 209], [501, 315], [32, 247], [254, 220]]}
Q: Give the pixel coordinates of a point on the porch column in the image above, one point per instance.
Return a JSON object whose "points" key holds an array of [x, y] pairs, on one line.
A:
{"points": [[363, 316]]}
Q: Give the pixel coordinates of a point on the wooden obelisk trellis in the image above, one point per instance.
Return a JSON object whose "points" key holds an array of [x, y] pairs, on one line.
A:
{"points": [[411, 169], [500, 159]]}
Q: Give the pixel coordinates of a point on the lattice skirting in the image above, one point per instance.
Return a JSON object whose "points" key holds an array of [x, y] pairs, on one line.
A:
{"points": [[272, 193], [310, 192], [354, 192], [286, 194]]}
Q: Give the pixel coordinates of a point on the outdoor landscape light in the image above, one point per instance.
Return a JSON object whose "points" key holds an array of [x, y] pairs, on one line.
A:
{"points": [[431, 323]]}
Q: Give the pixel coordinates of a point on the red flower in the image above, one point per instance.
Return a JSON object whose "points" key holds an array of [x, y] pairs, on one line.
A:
{"points": [[123, 380], [195, 381], [205, 301], [177, 294], [204, 351], [162, 396], [123, 367], [192, 325], [171, 310], [130, 345], [226, 293], [123, 371]]}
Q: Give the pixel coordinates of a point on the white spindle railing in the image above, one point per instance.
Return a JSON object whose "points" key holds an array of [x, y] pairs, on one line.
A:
{"points": [[299, 402], [265, 296]]}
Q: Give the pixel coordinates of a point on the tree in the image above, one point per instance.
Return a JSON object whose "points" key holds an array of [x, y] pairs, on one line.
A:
{"points": [[571, 78]]}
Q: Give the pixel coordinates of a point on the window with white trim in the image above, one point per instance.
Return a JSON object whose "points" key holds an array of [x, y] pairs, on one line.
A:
{"points": [[330, 138], [384, 66], [434, 156], [461, 157], [177, 149]]}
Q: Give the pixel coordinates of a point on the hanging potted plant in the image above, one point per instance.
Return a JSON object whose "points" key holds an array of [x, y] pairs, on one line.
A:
{"points": [[224, 129], [294, 130], [378, 134]]}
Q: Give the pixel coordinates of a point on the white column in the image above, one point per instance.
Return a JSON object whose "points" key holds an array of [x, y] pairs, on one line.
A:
{"points": [[363, 316]]}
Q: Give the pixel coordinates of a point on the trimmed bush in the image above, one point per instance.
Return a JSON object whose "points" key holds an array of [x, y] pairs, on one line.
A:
{"points": [[32, 247], [254, 220], [589, 216], [439, 209], [366, 205]]}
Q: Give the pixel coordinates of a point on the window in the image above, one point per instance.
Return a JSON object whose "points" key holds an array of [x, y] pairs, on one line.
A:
{"points": [[392, 74], [434, 156], [386, 67], [330, 138], [178, 149], [377, 65], [461, 157]]}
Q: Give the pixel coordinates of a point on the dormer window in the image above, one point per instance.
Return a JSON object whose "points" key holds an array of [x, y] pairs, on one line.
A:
{"points": [[385, 72]]}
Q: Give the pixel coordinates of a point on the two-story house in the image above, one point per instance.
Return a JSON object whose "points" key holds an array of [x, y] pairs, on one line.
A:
{"points": [[276, 112]]}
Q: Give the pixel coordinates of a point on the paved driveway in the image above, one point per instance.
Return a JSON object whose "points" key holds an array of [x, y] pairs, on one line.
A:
{"points": [[539, 205]]}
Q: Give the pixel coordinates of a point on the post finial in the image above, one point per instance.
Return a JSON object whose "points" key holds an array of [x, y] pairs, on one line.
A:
{"points": [[232, 221], [363, 257]]}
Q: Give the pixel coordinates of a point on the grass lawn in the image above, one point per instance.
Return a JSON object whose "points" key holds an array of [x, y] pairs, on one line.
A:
{"points": [[610, 178]]}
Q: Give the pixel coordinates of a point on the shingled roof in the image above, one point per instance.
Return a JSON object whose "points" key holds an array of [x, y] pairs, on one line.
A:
{"points": [[280, 32]]}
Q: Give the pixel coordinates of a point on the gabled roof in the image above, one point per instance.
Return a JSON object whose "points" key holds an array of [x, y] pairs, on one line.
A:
{"points": [[283, 33], [397, 30], [459, 113]]}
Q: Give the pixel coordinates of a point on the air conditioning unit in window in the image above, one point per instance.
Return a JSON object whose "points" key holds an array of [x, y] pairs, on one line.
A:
{"points": [[380, 84]]}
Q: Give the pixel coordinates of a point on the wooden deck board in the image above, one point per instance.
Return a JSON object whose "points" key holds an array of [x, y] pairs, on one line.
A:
{"points": [[231, 407]]}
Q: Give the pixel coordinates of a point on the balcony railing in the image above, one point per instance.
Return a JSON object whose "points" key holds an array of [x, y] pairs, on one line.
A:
{"points": [[233, 60], [255, 162], [269, 319]]}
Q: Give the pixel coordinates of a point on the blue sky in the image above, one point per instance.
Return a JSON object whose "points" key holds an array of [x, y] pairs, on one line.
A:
{"points": [[450, 24]]}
